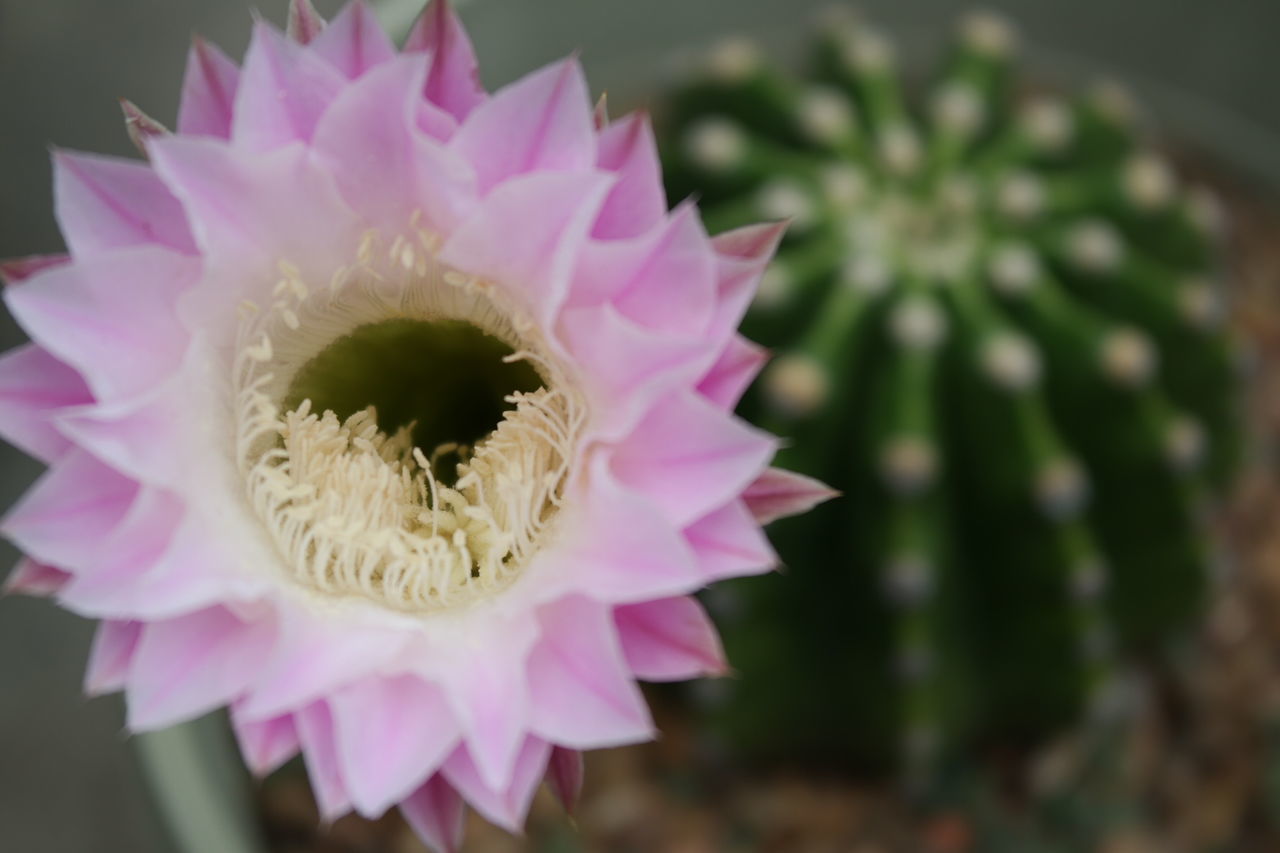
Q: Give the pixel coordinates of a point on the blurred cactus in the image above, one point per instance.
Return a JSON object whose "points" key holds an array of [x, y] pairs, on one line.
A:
{"points": [[996, 330]]}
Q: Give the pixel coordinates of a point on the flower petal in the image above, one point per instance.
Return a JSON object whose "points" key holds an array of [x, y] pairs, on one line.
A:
{"points": [[564, 776], [744, 254], [319, 748], [114, 646], [303, 22], [453, 82], [34, 387], [265, 744], [208, 92], [670, 639], [637, 202], [581, 691], [729, 543], [35, 579], [733, 372], [16, 270], [435, 812], [504, 805], [354, 42], [540, 122], [777, 493], [108, 202]]}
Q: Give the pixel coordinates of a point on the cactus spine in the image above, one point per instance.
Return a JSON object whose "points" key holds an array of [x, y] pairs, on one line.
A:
{"points": [[996, 332]]}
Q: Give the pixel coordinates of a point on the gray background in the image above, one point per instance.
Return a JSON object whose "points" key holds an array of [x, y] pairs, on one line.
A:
{"points": [[68, 781]]}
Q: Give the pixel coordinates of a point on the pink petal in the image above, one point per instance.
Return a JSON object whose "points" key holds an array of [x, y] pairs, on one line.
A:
{"points": [[35, 579], [688, 456], [777, 493], [506, 805], [16, 270], [581, 691], [454, 80], [435, 812], [733, 372], [525, 236], [140, 126], [108, 203], [315, 730], [354, 42], [284, 90], [540, 122], [669, 639], [564, 776], [139, 437], [729, 543], [637, 202], [72, 509], [114, 647], [392, 733], [386, 168], [208, 92], [265, 744], [304, 23], [114, 319], [34, 387], [187, 666], [744, 254]]}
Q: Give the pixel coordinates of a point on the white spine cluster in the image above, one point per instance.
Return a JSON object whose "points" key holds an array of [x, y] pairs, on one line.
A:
{"points": [[716, 144], [826, 116]]}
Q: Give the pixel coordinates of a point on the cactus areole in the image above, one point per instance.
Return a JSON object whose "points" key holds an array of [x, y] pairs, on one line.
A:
{"points": [[996, 329]]}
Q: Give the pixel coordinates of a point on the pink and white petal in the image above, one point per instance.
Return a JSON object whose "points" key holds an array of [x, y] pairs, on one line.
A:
{"points": [[453, 82], [526, 235], [115, 644], [35, 579], [669, 639], [688, 456], [319, 748], [733, 372], [71, 511], [208, 92], [729, 543], [505, 805], [637, 202], [564, 776], [189, 665], [580, 687], [34, 387], [140, 438], [108, 203], [303, 22], [392, 733], [387, 169], [354, 42], [114, 319], [265, 744], [284, 89], [541, 122], [17, 270], [777, 493], [744, 254]]}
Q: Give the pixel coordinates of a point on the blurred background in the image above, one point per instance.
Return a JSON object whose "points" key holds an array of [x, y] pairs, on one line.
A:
{"points": [[1204, 72]]}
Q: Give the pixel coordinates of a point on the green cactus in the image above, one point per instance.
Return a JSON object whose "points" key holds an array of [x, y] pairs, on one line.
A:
{"points": [[995, 331]]}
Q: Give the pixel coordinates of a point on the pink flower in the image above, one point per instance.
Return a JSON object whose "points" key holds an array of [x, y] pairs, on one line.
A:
{"points": [[445, 605]]}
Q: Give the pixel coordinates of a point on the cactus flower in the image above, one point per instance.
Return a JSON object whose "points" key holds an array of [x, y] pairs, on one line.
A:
{"points": [[393, 415]]}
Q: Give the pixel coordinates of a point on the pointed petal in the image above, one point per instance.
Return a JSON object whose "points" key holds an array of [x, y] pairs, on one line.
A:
{"points": [[315, 731], [392, 733], [507, 805], [114, 646], [454, 80], [564, 776], [688, 456], [733, 372], [777, 493], [265, 744], [581, 691], [387, 169], [354, 41], [16, 270], [72, 509], [435, 812], [140, 126], [90, 315], [107, 203], [525, 236], [208, 92], [187, 666], [638, 201], [283, 91], [744, 254], [669, 639], [304, 23], [540, 122], [729, 543], [34, 387], [35, 579]]}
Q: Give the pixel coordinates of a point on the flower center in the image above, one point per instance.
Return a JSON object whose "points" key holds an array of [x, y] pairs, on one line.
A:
{"points": [[403, 434]]}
